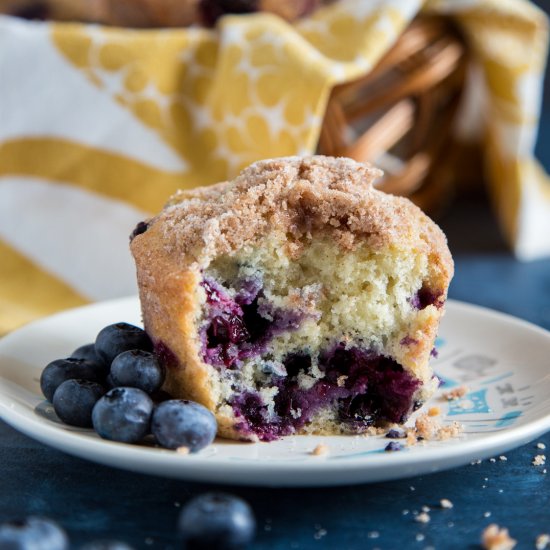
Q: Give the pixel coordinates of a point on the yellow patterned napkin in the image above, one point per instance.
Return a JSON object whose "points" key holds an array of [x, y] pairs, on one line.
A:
{"points": [[100, 125]]}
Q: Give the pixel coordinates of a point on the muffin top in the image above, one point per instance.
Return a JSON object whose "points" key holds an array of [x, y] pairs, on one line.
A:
{"points": [[298, 197]]}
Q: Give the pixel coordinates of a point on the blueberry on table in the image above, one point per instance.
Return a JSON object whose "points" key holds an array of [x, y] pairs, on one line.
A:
{"points": [[216, 521], [114, 339], [123, 414], [138, 369], [70, 368], [106, 545], [33, 533], [74, 400], [180, 423]]}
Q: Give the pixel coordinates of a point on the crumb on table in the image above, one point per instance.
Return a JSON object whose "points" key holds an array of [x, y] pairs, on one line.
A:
{"points": [[542, 542], [539, 460], [183, 450], [445, 503], [496, 538], [434, 411]]}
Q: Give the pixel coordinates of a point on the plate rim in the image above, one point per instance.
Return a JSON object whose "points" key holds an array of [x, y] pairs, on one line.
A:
{"points": [[244, 471]]}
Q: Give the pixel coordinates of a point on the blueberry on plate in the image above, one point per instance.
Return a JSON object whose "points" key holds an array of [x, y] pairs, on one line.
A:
{"points": [[138, 369], [106, 545], [180, 423], [88, 353], [216, 521], [33, 533], [56, 372], [114, 339], [123, 414], [74, 400]]}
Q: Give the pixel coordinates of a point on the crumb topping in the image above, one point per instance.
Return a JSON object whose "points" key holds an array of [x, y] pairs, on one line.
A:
{"points": [[496, 538], [296, 196]]}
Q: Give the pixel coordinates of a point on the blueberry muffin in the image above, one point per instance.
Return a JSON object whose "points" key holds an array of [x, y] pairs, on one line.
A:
{"points": [[295, 299]]}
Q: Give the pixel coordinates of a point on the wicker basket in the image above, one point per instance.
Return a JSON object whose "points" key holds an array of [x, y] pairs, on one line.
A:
{"points": [[400, 116]]}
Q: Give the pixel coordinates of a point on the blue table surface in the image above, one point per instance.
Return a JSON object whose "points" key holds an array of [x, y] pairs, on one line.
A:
{"points": [[93, 501]]}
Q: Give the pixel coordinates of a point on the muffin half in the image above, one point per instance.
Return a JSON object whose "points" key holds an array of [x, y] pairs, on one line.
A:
{"points": [[295, 299]]}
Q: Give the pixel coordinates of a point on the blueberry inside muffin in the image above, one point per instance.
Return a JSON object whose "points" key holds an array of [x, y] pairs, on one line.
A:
{"points": [[296, 299]]}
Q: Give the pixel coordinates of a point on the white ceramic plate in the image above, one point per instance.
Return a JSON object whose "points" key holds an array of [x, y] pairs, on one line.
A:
{"points": [[503, 361]]}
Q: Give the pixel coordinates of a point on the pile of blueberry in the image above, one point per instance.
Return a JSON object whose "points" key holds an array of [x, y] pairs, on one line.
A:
{"points": [[114, 385], [212, 521]]}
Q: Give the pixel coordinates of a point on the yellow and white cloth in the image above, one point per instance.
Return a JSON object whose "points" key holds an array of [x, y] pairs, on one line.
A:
{"points": [[98, 126]]}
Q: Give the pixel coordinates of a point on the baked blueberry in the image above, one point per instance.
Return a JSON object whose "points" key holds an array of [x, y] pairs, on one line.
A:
{"points": [[181, 423], [74, 400], [70, 368], [216, 521], [114, 339], [106, 545], [138, 369], [123, 414], [33, 533]]}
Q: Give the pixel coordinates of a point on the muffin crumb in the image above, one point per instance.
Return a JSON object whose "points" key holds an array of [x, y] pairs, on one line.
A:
{"points": [[539, 460], [496, 538], [320, 450], [542, 542], [423, 517], [446, 503], [434, 411], [183, 450]]}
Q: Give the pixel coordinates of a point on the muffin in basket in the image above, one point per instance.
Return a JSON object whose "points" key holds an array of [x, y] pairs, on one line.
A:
{"points": [[295, 299]]}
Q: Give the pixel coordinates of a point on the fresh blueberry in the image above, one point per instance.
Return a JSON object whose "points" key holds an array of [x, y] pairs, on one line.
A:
{"points": [[88, 352], [74, 400], [216, 521], [114, 339], [123, 414], [180, 423], [60, 370], [138, 369], [106, 545], [33, 533]]}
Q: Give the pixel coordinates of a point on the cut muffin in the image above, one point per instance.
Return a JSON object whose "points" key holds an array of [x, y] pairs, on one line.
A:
{"points": [[296, 299]]}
